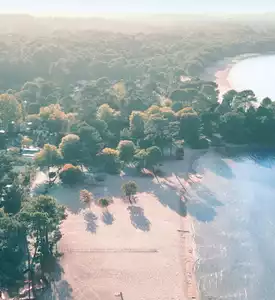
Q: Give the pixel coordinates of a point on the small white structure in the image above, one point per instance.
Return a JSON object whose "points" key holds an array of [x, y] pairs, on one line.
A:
{"points": [[30, 152]]}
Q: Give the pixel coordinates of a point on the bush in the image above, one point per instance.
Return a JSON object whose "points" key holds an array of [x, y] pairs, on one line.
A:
{"points": [[71, 174]]}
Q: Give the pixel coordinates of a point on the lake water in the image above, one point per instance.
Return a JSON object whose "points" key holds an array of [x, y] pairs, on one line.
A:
{"points": [[234, 211], [257, 74]]}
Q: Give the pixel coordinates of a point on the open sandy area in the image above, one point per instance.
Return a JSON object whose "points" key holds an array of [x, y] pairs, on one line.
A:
{"points": [[144, 250]]}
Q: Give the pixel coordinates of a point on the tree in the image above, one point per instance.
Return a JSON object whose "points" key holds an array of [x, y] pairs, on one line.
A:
{"points": [[232, 127], [55, 119], [129, 189], [126, 151], [244, 100], [10, 110], [26, 142], [266, 102], [3, 140], [137, 124], [103, 202], [140, 159], [110, 160], [71, 149], [189, 125], [12, 198], [41, 218], [90, 138], [70, 174], [86, 197], [105, 113], [12, 254], [49, 157], [157, 131], [153, 157]]}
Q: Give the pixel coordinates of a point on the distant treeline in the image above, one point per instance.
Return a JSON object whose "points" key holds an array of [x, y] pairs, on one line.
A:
{"points": [[157, 49]]}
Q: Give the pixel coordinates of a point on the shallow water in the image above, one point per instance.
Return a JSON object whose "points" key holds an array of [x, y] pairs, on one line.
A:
{"points": [[234, 209], [255, 73]]}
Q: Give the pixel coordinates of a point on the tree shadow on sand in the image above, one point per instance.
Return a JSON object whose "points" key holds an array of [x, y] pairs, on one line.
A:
{"points": [[91, 222], [138, 218], [202, 203], [107, 218], [172, 199], [59, 289], [206, 194], [201, 212], [68, 196]]}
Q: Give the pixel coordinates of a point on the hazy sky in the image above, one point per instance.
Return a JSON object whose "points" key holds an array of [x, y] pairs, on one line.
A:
{"points": [[124, 6]]}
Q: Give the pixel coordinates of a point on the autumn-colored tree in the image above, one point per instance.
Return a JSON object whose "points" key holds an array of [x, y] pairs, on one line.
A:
{"points": [[56, 119], [86, 197], [70, 174], [49, 157], [26, 142]]}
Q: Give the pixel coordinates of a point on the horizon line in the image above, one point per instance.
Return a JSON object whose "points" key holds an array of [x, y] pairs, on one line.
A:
{"points": [[131, 13]]}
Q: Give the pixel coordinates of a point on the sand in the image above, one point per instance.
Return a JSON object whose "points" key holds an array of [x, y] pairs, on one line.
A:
{"points": [[145, 250], [219, 72]]}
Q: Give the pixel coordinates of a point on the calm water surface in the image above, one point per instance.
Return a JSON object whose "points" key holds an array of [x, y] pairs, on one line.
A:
{"points": [[234, 209], [255, 73]]}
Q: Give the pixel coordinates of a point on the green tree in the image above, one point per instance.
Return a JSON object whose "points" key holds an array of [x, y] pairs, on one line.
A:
{"points": [[137, 124], [189, 125], [129, 189], [232, 127], [41, 217], [90, 138], [153, 157], [12, 254], [103, 202], [70, 174], [71, 149], [110, 160], [10, 110], [49, 157], [126, 151]]}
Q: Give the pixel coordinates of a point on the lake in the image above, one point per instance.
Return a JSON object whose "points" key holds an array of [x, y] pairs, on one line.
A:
{"points": [[256, 73], [234, 211]]}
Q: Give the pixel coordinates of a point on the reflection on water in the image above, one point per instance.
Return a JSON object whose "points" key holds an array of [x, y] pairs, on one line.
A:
{"points": [[234, 208]]}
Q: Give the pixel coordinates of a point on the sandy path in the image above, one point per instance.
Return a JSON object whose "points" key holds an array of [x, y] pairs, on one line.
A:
{"points": [[145, 251]]}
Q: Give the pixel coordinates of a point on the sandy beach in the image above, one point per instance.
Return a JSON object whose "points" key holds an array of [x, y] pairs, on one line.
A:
{"points": [[144, 251], [219, 72]]}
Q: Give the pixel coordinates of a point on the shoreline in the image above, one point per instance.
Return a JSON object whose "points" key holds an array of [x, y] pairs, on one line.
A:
{"points": [[176, 256], [219, 71], [188, 233]]}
